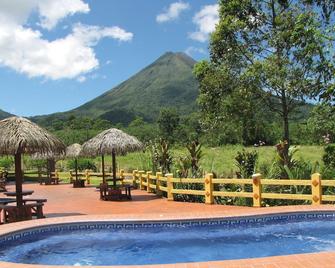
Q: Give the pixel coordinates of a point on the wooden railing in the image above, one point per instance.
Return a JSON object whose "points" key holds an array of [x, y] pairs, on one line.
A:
{"points": [[258, 188], [88, 175], [166, 184]]}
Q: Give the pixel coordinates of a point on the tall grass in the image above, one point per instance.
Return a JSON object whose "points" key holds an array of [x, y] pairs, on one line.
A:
{"points": [[221, 159]]}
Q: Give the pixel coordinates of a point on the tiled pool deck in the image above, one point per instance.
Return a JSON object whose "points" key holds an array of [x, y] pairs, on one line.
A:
{"points": [[66, 204]]}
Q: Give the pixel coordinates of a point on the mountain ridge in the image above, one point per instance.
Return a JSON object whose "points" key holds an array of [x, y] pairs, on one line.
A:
{"points": [[167, 82], [4, 114]]}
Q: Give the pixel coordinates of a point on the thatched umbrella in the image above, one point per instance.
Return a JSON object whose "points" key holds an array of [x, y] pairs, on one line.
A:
{"points": [[73, 151], [20, 136], [112, 141]]}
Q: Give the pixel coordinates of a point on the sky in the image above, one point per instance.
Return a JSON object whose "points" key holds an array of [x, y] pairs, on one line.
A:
{"points": [[55, 55]]}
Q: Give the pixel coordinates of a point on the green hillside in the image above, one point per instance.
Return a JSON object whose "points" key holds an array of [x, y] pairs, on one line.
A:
{"points": [[167, 82]]}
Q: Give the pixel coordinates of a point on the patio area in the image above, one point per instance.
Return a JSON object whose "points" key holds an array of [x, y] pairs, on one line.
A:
{"points": [[66, 204]]}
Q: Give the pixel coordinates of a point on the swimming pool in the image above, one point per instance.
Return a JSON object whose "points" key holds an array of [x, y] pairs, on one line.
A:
{"points": [[135, 243]]}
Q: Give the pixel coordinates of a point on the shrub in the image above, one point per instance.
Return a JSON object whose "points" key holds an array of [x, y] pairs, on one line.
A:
{"points": [[161, 156], [6, 162], [329, 156], [246, 162], [82, 164]]}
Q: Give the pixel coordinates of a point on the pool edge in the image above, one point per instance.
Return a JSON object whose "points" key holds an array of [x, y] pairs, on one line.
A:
{"points": [[316, 258]]}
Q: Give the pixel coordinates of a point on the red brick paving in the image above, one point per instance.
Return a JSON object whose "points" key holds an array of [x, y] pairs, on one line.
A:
{"points": [[81, 203]]}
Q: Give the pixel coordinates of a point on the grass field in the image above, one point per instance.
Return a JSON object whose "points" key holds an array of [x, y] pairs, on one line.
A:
{"points": [[221, 159]]}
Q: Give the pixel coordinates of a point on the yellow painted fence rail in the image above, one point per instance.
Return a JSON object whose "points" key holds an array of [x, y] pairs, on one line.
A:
{"points": [[165, 185], [160, 184]]}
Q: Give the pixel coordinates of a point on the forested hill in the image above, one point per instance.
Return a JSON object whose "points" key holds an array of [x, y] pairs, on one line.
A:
{"points": [[167, 82]]}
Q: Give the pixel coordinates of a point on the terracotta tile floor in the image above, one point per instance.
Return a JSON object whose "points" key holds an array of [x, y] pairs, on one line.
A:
{"points": [[81, 203]]}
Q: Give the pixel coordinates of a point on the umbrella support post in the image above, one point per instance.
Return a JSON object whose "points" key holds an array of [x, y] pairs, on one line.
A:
{"points": [[18, 179], [114, 169]]}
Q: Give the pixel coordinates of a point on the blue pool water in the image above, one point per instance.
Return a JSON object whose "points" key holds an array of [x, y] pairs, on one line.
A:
{"points": [[134, 244]]}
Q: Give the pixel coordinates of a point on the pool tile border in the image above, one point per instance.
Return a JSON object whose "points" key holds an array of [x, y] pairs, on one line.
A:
{"points": [[226, 222]]}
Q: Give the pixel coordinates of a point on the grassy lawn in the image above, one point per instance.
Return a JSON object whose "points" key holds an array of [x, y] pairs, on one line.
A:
{"points": [[220, 159]]}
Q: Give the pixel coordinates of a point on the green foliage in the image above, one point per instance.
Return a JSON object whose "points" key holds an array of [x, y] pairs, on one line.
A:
{"points": [[83, 164], [6, 162], [183, 165], [273, 54], [321, 123], [38, 164], [144, 131], [168, 122], [246, 163], [195, 155], [190, 163], [161, 156], [329, 156]]}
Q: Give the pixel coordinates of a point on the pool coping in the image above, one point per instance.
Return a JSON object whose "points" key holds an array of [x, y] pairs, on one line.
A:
{"points": [[299, 259]]}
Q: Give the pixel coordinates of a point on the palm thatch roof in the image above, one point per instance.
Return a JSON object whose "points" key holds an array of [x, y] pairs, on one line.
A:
{"points": [[19, 135], [111, 140], [73, 150], [48, 156]]}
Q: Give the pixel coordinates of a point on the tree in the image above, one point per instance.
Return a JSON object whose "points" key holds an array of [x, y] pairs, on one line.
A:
{"points": [[321, 123], [279, 50], [168, 122]]}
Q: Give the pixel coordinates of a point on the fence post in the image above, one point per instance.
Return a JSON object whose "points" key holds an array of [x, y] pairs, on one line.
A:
{"points": [[316, 189], [140, 177], [134, 178], [122, 176], [257, 189], [169, 185], [209, 198], [158, 183], [148, 181], [87, 176]]}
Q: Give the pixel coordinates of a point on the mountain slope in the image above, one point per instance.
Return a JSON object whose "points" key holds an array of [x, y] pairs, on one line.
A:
{"points": [[4, 114], [168, 82]]}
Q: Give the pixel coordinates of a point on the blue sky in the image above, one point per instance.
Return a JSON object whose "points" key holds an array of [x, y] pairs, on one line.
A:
{"points": [[58, 54]]}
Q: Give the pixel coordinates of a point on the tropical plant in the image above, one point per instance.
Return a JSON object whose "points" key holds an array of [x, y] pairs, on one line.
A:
{"points": [[161, 157], [195, 155], [246, 163]]}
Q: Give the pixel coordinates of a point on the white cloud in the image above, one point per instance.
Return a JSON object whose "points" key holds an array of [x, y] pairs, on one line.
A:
{"points": [[205, 20], [172, 12], [192, 50], [51, 11], [81, 79], [26, 51]]}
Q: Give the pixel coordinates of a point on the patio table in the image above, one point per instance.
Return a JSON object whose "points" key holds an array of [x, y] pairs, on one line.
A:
{"points": [[23, 193], [5, 201]]}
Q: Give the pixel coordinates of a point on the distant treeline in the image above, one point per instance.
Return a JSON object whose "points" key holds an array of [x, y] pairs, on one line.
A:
{"points": [[316, 125]]}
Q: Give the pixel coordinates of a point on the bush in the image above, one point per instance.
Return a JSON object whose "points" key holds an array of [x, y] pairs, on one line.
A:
{"points": [[82, 164], [246, 162], [329, 156], [6, 162]]}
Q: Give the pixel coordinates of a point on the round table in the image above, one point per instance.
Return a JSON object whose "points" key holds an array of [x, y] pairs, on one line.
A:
{"points": [[14, 193]]}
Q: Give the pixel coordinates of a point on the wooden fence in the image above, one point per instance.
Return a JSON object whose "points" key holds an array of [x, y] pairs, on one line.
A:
{"points": [[159, 184], [167, 185]]}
